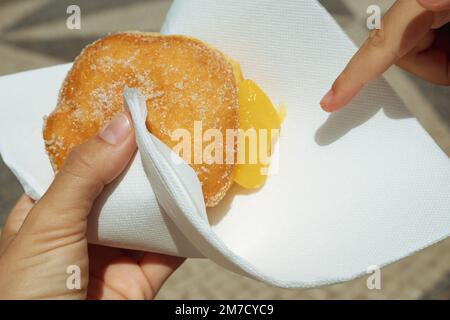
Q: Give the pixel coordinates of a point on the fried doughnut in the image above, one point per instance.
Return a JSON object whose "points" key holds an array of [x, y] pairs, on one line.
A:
{"points": [[183, 79]]}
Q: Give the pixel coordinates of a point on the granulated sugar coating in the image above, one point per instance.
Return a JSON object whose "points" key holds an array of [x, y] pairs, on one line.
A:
{"points": [[183, 80]]}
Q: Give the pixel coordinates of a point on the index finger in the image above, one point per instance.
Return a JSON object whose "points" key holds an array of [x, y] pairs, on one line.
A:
{"points": [[402, 27]]}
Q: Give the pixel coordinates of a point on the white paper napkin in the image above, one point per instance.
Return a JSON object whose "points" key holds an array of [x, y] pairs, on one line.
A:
{"points": [[360, 187]]}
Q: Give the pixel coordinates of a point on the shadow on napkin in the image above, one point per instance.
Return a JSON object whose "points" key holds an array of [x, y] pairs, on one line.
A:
{"points": [[359, 111], [216, 213]]}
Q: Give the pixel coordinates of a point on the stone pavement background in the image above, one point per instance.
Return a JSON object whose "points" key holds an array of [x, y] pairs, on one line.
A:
{"points": [[33, 35]]}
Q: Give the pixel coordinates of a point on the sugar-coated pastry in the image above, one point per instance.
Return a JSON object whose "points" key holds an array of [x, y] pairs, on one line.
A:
{"points": [[183, 79]]}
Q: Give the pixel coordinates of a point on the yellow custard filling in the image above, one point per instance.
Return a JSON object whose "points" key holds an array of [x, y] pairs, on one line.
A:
{"points": [[257, 112]]}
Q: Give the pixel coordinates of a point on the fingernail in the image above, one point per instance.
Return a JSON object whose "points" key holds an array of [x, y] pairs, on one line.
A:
{"points": [[327, 100], [117, 130]]}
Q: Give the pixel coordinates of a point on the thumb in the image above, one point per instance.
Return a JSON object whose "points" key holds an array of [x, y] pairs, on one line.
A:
{"points": [[86, 171]]}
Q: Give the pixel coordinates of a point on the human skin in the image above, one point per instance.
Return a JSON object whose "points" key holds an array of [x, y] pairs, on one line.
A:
{"points": [[414, 35], [41, 240]]}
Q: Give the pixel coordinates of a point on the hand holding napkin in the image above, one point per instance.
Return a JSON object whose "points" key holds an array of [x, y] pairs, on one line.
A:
{"points": [[360, 187]]}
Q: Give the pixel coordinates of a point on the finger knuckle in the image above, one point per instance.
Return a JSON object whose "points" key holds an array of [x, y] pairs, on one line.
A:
{"points": [[81, 166], [377, 39], [79, 161]]}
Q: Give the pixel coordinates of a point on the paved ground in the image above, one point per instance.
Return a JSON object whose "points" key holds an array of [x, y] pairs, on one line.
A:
{"points": [[33, 34]]}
